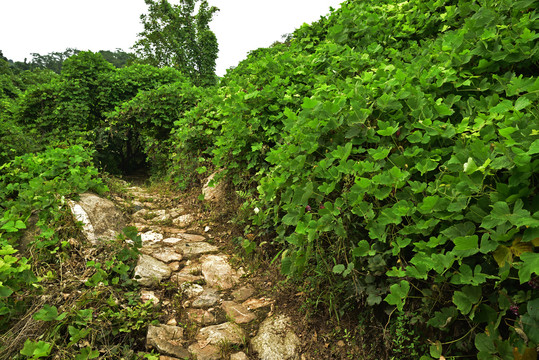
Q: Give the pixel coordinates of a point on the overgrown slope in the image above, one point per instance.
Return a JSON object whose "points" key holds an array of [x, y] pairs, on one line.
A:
{"points": [[390, 151]]}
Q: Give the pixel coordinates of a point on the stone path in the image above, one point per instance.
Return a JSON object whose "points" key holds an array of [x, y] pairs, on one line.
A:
{"points": [[213, 312]]}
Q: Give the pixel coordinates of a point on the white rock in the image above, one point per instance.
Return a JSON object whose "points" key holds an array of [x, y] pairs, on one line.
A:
{"points": [[167, 339], [207, 299], [217, 334], [184, 238], [80, 215], [151, 237], [192, 249], [184, 220], [207, 352], [239, 356], [151, 271], [166, 255], [218, 272], [100, 217], [276, 340], [217, 192]]}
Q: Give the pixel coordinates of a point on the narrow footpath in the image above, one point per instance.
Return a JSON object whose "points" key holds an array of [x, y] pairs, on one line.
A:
{"points": [[210, 309]]}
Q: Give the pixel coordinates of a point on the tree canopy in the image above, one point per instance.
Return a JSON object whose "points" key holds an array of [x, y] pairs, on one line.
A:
{"points": [[175, 36]]}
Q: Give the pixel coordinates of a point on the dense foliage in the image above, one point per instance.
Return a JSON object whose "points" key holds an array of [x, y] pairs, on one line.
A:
{"points": [[393, 147], [389, 152], [175, 36], [53, 130]]}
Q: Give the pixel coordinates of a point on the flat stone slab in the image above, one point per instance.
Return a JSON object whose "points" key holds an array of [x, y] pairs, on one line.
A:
{"points": [[253, 304], [238, 356], [164, 254], [182, 237], [171, 230], [237, 312], [217, 334], [167, 339], [193, 249], [140, 216], [243, 293], [218, 272], [151, 271], [174, 266], [276, 340], [151, 237], [157, 215], [184, 221], [208, 352], [207, 299]]}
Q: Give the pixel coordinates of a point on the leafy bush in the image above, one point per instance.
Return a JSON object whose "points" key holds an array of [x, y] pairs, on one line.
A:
{"points": [[145, 122], [395, 148], [76, 104], [36, 183]]}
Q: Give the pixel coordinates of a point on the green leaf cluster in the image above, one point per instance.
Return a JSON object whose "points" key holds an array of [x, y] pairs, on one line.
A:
{"points": [[36, 184], [401, 139]]}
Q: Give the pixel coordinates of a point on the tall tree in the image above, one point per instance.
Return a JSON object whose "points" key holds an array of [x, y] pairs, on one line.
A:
{"points": [[175, 36], [53, 60]]}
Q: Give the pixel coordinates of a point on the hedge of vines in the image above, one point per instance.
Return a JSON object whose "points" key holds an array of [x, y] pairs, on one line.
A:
{"points": [[392, 150]]}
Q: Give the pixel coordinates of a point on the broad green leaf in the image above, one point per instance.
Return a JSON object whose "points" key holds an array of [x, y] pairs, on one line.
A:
{"points": [[530, 321], [521, 103], [465, 299], [49, 313], [385, 129], [529, 266], [484, 343], [468, 276], [442, 109], [435, 349], [531, 235], [443, 318], [534, 148], [428, 204], [309, 103], [5, 291], [395, 272], [503, 255], [363, 249], [458, 205], [379, 153], [415, 137], [36, 349], [503, 107], [466, 245], [398, 294], [338, 269], [373, 299], [426, 165], [382, 192], [469, 167]]}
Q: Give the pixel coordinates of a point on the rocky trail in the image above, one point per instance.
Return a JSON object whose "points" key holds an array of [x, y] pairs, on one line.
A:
{"points": [[210, 308]]}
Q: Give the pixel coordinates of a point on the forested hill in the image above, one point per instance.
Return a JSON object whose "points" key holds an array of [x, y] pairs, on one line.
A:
{"points": [[385, 158]]}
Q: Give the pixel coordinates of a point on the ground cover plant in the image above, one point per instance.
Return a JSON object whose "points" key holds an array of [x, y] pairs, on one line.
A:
{"points": [[392, 150], [388, 153]]}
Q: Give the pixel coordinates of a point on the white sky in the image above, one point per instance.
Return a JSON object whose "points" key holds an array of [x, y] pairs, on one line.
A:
{"points": [[44, 26]]}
